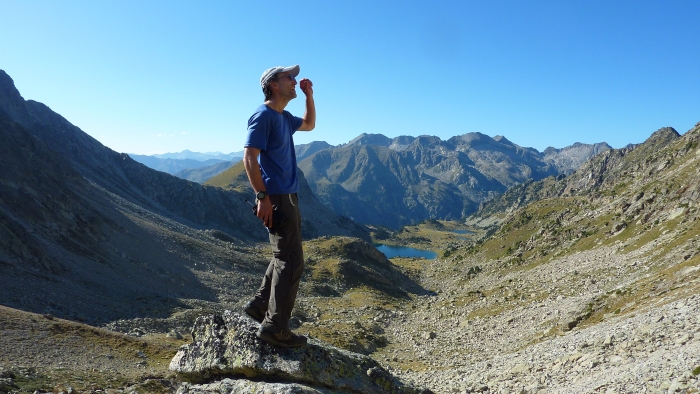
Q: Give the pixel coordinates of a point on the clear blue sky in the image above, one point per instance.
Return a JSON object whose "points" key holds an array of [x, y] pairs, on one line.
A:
{"points": [[163, 76]]}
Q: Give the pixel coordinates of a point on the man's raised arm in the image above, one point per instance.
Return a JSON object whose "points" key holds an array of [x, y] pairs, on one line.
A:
{"points": [[309, 119]]}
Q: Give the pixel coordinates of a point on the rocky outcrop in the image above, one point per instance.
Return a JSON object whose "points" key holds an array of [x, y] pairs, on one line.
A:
{"points": [[225, 347]]}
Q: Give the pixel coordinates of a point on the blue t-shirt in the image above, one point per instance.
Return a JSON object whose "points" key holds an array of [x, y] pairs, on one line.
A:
{"points": [[271, 132]]}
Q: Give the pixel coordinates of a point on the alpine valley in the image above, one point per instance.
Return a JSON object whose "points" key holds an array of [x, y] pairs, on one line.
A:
{"points": [[572, 270]]}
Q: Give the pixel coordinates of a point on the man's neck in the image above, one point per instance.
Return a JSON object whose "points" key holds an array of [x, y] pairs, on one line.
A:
{"points": [[277, 104]]}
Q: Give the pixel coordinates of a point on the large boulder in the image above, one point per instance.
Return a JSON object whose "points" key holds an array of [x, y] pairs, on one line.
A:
{"points": [[245, 386], [225, 356]]}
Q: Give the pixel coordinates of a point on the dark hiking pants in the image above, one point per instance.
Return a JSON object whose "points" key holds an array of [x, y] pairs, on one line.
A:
{"points": [[279, 287]]}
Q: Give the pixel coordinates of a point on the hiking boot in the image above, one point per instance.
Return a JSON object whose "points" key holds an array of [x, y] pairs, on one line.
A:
{"points": [[284, 338], [255, 312]]}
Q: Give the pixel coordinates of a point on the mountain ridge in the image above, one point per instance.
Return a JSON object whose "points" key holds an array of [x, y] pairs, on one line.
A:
{"points": [[199, 156], [174, 166], [435, 179]]}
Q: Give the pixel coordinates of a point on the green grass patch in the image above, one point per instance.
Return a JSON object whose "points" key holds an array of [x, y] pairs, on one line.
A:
{"points": [[696, 371]]}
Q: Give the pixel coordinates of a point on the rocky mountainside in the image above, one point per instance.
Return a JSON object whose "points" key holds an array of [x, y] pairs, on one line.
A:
{"points": [[604, 174], [585, 283], [117, 173], [418, 178]]}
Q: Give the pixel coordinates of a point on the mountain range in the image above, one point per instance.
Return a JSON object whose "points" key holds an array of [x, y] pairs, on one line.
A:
{"points": [[175, 166], [199, 156], [393, 182]]}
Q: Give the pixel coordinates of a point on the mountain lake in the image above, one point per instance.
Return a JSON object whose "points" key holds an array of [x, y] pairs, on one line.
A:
{"points": [[405, 251]]}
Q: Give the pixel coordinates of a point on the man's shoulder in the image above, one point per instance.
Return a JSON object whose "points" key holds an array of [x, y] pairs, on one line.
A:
{"points": [[263, 109], [262, 114]]}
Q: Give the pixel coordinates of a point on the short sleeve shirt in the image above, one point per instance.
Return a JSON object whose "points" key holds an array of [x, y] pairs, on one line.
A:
{"points": [[271, 132]]}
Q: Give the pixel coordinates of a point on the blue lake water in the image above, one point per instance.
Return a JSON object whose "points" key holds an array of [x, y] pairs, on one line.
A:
{"points": [[404, 251]]}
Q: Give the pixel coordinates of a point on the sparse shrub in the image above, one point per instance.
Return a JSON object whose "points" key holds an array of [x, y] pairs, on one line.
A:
{"points": [[474, 270], [449, 250]]}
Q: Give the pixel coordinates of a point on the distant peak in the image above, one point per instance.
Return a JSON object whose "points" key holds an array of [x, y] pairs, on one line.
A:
{"points": [[666, 131], [404, 139], [663, 136], [428, 139], [371, 139], [11, 101], [471, 137], [6, 82]]}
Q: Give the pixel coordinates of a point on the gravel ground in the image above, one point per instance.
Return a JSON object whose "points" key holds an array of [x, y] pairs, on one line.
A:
{"points": [[519, 338]]}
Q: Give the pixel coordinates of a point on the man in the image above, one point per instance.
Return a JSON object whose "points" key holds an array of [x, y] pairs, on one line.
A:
{"points": [[271, 165]]}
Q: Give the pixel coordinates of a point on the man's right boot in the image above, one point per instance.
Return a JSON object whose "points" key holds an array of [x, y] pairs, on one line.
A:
{"points": [[284, 338]]}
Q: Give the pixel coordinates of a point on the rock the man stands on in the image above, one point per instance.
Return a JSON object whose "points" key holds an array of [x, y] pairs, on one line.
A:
{"points": [[271, 165]]}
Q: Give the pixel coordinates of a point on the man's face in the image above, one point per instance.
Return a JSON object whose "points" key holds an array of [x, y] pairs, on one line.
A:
{"points": [[286, 85]]}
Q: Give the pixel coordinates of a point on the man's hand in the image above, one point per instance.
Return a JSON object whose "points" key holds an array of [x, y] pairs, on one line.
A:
{"points": [[309, 119], [306, 86], [265, 211]]}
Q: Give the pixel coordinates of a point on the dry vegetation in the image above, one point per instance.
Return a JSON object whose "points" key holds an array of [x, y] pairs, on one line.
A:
{"points": [[48, 354]]}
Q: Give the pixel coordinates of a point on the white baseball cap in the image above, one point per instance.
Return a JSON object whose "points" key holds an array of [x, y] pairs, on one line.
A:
{"points": [[270, 72]]}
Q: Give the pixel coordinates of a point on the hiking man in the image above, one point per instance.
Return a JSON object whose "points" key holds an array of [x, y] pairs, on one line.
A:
{"points": [[271, 165]]}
